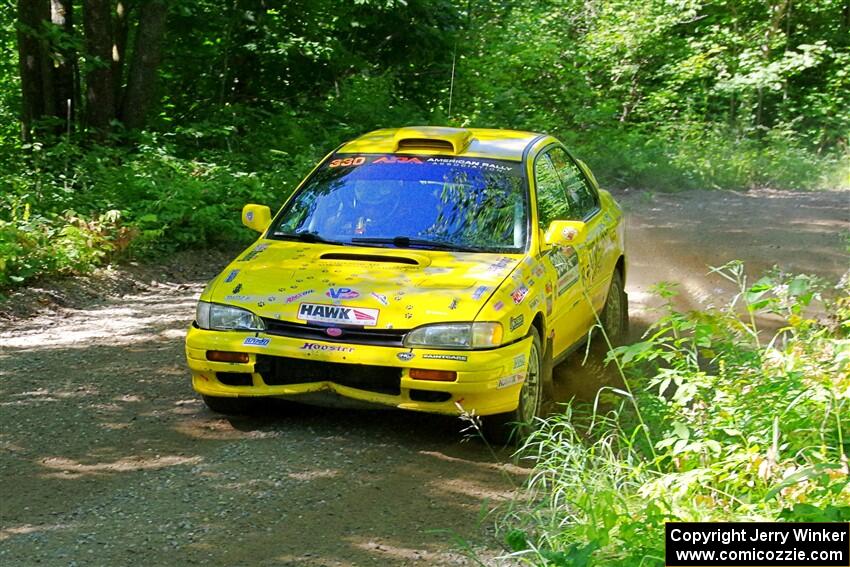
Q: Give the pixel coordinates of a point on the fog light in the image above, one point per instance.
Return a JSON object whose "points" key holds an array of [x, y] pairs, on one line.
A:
{"points": [[224, 356], [438, 375]]}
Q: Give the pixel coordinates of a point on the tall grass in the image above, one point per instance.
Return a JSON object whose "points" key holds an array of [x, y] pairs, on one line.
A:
{"points": [[738, 424]]}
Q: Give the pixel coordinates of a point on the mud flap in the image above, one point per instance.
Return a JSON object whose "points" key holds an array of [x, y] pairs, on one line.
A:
{"points": [[547, 381]]}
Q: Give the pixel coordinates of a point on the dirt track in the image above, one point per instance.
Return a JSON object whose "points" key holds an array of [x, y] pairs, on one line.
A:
{"points": [[108, 458]]}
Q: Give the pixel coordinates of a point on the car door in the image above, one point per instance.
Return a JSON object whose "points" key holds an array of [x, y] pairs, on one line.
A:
{"points": [[594, 251], [570, 316]]}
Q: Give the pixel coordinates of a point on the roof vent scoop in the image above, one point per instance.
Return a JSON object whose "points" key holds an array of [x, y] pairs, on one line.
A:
{"points": [[432, 139]]}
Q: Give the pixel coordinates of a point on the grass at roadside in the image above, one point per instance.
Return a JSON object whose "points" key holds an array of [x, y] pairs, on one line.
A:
{"points": [[722, 423]]}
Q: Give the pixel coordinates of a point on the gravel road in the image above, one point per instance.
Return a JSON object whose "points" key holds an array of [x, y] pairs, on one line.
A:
{"points": [[108, 458]]}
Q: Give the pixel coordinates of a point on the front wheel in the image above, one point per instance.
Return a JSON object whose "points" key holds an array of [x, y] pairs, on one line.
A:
{"points": [[515, 426], [615, 314]]}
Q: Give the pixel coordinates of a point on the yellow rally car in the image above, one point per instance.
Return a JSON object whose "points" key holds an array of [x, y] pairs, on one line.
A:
{"points": [[431, 269]]}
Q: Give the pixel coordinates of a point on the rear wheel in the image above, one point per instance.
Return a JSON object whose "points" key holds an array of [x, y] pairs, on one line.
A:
{"points": [[516, 425], [615, 314], [228, 406]]}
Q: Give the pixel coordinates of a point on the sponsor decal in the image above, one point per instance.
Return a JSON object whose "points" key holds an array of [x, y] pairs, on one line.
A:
{"points": [[549, 304], [498, 306], [565, 262], [534, 302], [342, 293], [516, 322], [594, 257], [500, 264], [479, 292], [382, 299], [333, 331], [405, 356], [539, 272], [346, 162], [453, 304], [256, 341], [237, 298], [519, 294], [231, 276], [253, 253], [397, 159], [548, 287], [299, 295], [457, 357], [469, 164], [238, 288], [569, 234], [519, 361], [336, 314], [511, 380], [249, 216], [326, 348]]}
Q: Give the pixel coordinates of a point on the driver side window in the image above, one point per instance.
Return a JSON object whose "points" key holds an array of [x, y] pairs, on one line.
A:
{"points": [[551, 200], [582, 199]]}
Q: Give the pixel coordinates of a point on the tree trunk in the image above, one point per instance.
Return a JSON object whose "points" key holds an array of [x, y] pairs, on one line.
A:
{"points": [[120, 28], [61, 12], [147, 50], [100, 90], [34, 64]]}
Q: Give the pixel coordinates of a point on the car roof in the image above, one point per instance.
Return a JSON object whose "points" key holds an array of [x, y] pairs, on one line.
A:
{"points": [[438, 140]]}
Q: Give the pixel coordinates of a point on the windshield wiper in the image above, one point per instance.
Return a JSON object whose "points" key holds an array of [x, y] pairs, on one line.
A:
{"points": [[307, 236], [406, 242]]}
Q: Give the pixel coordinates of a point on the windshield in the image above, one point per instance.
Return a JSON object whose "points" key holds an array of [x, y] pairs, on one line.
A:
{"points": [[471, 204]]}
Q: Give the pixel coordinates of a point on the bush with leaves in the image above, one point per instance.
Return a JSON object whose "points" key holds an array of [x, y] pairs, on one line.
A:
{"points": [[718, 422]]}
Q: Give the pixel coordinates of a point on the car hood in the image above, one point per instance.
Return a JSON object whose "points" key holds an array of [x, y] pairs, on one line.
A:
{"points": [[369, 287]]}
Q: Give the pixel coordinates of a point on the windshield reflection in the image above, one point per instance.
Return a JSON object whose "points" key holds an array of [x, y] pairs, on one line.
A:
{"points": [[387, 199]]}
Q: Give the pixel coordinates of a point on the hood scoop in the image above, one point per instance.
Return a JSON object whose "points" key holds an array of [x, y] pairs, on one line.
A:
{"points": [[368, 258]]}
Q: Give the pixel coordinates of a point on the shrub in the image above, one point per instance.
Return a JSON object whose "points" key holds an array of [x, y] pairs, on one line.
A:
{"points": [[717, 422]]}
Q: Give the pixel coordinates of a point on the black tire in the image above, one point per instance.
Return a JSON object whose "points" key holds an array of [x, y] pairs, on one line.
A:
{"points": [[515, 426], [228, 406], [615, 314]]}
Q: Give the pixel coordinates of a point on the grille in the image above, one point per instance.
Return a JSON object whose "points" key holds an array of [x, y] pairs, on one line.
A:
{"points": [[235, 378], [279, 371], [352, 335], [429, 396]]}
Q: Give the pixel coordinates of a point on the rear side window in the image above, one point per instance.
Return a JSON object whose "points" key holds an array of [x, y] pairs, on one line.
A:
{"points": [[582, 199]]}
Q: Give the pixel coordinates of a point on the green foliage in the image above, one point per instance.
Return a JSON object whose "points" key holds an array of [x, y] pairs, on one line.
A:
{"points": [[742, 426], [250, 94], [669, 95]]}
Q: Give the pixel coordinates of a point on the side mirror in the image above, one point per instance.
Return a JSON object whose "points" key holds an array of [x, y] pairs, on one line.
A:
{"points": [[256, 217], [565, 233]]}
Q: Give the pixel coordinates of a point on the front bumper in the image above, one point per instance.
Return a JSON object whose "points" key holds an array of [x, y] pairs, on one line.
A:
{"points": [[488, 381]]}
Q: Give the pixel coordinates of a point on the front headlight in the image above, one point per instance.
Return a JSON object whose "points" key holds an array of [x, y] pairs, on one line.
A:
{"points": [[212, 316], [456, 336]]}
